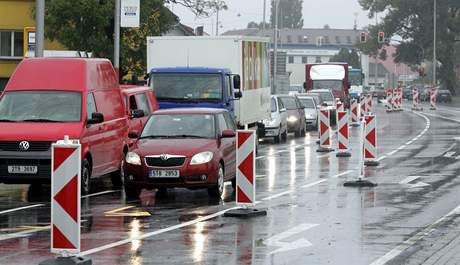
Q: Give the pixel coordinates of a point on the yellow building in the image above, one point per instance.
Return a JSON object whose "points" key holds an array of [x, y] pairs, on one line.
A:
{"points": [[14, 17]]}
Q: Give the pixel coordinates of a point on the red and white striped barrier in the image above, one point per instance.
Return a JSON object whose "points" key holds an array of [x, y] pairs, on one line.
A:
{"points": [[415, 98], [324, 129], [362, 106], [65, 197], [370, 141], [246, 169], [339, 106], [433, 95], [354, 113], [343, 134], [368, 103], [395, 99], [389, 99]]}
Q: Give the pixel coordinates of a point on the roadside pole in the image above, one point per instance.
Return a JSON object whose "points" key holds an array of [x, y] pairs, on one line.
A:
{"points": [[116, 44], [40, 27]]}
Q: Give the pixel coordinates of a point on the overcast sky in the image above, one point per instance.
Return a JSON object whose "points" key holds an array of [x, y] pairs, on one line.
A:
{"points": [[316, 13]]}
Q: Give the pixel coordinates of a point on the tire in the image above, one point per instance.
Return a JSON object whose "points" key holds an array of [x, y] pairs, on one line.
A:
{"points": [[277, 139], [218, 189], [304, 130], [85, 177], [118, 177], [284, 136], [234, 183], [132, 193]]}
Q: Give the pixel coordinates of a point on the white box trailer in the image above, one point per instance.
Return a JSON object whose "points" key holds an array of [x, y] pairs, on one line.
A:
{"points": [[247, 57]]}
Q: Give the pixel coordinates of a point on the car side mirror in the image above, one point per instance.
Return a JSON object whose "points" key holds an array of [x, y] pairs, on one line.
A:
{"points": [[138, 113], [228, 134], [236, 82], [133, 135], [96, 118], [282, 110], [238, 94], [305, 85]]}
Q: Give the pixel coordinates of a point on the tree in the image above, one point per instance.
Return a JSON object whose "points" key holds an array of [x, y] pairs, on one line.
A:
{"points": [[289, 14], [255, 25], [412, 20], [347, 56]]}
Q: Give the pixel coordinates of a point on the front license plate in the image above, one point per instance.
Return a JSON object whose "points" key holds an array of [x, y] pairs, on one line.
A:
{"points": [[164, 173], [22, 169]]}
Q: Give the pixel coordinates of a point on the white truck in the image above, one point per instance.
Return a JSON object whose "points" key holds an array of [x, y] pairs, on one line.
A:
{"points": [[230, 72]]}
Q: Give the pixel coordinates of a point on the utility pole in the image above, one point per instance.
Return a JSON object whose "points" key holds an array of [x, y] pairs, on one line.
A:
{"points": [[376, 68], [435, 61], [40, 27], [263, 20], [116, 46], [217, 21], [275, 50]]}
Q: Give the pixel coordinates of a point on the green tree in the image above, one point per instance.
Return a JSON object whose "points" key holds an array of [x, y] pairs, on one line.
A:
{"points": [[412, 20], [289, 14], [347, 56], [255, 25]]}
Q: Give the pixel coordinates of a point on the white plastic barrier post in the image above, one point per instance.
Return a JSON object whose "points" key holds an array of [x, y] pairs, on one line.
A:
{"points": [[433, 95], [362, 106], [324, 129], [343, 140], [65, 202], [370, 141], [395, 99], [389, 99], [354, 113], [368, 103], [245, 175]]}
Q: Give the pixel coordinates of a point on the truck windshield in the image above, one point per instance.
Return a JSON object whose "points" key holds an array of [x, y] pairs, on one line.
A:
{"points": [[180, 126], [355, 77], [40, 106], [335, 85], [187, 86]]}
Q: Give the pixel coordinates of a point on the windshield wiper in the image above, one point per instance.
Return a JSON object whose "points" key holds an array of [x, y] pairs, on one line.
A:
{"points": [[6, 120], [39, 120], [187, 136], [154, 136]]}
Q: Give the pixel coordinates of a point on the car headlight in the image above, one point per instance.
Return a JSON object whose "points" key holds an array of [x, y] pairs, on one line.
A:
{"points": [[133, 159], [292, 119], [201, 158]]}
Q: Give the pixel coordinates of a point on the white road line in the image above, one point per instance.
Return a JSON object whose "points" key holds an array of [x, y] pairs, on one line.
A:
{"points": [[381, 158], [342, 174], [21, 208], [314, 183], [277, 195], [23, 233], [414, 239], [99, 193], [290, 149]]}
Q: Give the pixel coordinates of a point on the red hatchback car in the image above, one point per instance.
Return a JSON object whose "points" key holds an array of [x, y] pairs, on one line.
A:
{"points": [[188, 148]]}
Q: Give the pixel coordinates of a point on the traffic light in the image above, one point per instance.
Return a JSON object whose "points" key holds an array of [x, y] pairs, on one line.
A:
{"points": [[381, 38], [363, 37]]}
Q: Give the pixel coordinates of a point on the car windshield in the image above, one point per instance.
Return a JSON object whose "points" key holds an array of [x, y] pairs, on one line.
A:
{"points": [[307, 103], [41, 106], [180, 126], [273, 105], [335, 85], [325, 95], [186, 86], [289, 102]]}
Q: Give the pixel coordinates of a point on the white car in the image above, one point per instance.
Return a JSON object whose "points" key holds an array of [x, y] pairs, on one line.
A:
{"points": [[311, 110], [327, 98], [276, 126]]}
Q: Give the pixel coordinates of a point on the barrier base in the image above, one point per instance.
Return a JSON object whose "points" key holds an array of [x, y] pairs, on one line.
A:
{"points": [[68, 261], [343, 154], [431, 108], [317, 141], [355, 125], [246, 213], [324, 149], [371, 163], [360, 183]]}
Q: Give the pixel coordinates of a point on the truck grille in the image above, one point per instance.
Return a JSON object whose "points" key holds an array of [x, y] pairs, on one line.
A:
{"points": [[158, 162], [33, 146]]}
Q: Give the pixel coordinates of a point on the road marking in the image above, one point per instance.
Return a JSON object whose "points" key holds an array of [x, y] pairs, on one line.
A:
{"points": [[100, 193], [381, 158], [23, 233], [277, 195], [342, 174], [410, 179], [449, 154], [21, 208], [290, 149], [314, 183], [414, 239], [275, 240], [119, 212]]}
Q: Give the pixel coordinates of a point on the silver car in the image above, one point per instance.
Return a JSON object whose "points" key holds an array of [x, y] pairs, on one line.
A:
{"points": [[276, 126], [311, 110]]}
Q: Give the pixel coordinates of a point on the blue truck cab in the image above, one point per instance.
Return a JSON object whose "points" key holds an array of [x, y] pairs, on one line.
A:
{"points": [[183, 87]]}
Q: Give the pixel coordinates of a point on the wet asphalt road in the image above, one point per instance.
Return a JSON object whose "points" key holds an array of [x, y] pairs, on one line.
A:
{"points": [[411, 217]]}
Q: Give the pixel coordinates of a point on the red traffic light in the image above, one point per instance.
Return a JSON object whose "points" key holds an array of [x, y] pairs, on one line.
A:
{"points": [[363, 37], [381, 38]]}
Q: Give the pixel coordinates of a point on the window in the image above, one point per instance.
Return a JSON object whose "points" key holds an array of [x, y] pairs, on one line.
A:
{"points": [[326, 39], [90, 105], [230, 122], [299, 39], [290, 59], [304, 59], [305, 39], [337, 40], [318, 59], [229, 86], [11, 44], [289, 39], [348, 39], [143, 103], [222, 123], [132, 104], [280, 104]]}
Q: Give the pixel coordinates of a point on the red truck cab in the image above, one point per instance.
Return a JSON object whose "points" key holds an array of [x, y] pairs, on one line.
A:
{"points": [[48, 98]]}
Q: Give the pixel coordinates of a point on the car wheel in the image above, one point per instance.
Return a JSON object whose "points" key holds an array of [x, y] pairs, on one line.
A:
{"points": [[132, 193], [85, 177], [304, 130], [218, 189], [277, 139], [234, 183], [118, 177], [285, 136]]}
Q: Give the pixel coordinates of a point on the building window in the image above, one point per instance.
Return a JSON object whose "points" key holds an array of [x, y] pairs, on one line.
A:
{"points": [[318, 59], [289, 39], [319, 41], [326, 39], [348, 39], [305, 39], [299, 39], [290, 59], [304, 59], [337, 40], [11, 44]]}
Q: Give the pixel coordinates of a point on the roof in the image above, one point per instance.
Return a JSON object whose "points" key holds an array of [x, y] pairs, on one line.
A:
{"points": [[177, 111], [205, 70]]}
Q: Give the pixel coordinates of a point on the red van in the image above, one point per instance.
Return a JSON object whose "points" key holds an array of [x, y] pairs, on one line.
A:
{"points": [[140, 102], [47, 98]]}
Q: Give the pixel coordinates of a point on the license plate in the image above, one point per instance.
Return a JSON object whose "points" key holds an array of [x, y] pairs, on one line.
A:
{"points": [[22, 169], [164, 173], [269, 132]]}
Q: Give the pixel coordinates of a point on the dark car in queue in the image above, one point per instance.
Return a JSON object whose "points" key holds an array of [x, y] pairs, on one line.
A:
{"points": [[296, 114], [444, 95], [185, 148]]}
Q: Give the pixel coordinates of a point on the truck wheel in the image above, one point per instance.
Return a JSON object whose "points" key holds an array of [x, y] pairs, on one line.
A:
{"points": [[85, 177], [218, 189], [132, 193], [118, 177]]}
